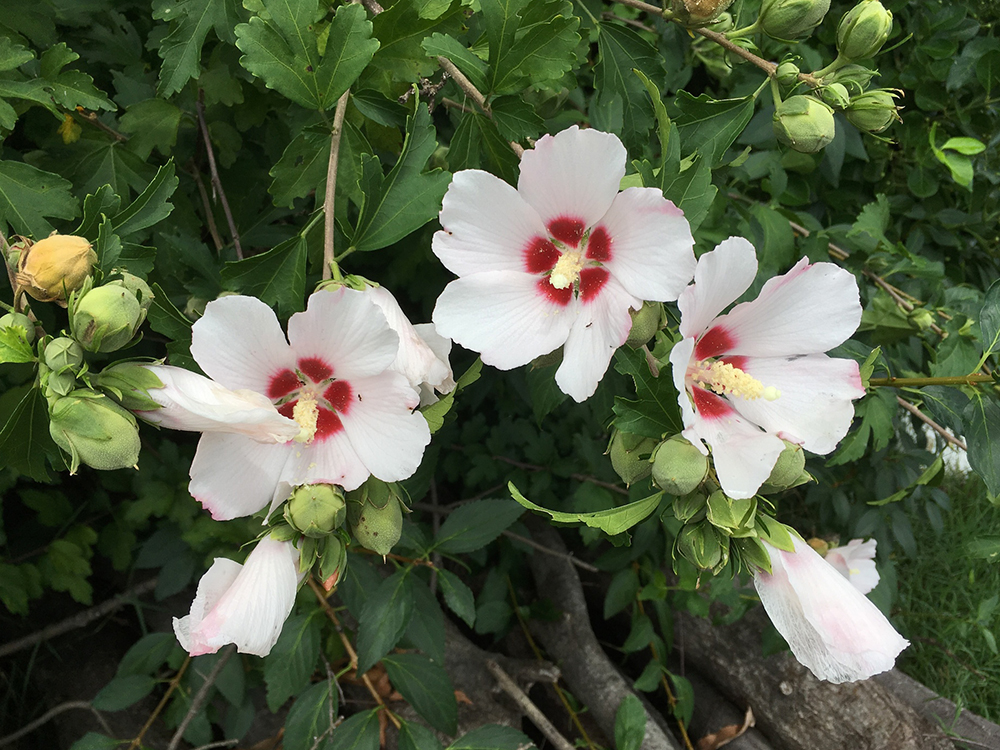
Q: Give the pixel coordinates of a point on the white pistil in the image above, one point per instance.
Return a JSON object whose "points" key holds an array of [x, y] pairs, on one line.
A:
{"points": [[306, 413], [567, 270], [725, 379]]}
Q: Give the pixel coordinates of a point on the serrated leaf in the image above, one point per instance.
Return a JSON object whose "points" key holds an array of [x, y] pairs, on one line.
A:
{"points": [[989, 319], [147, 654], [426, 628], [151, 206], [465, 59], [24, 440], [292, 660], [413, 736], [710, 126], [401, 28], [543, 48], [612, 521], [630, 724], [474, 525], [457, 596], [359, 732], [492, 737], [309, 717], [301, 168], [384, 619], [655, 412], [691, 191], [14, 346], [426, 686], [622, 51], [190, 21], [99, 161], [515, 118], [982, 436], [70, 88], [96, 741], [152, 124], [96, 207], [13, 55], [278, 277], [28, 196]]}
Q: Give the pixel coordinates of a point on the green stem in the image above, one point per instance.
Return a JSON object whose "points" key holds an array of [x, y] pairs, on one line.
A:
{"points": [[836, 65], [745, 31], [945, 380]]}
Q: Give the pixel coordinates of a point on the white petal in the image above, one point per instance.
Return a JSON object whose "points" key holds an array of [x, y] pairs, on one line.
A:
{"points": [[193, 402], [810, 309], [652, 248], [254, 607], [572, 175], [332, 460], [856, 562], [600, 328], [238, 342], [346, 331], [503, 316], [487, 225], [443, 380], [233, 476], [211, 587], [831, 627], [815, 408], [680, 358], [720, 277]]}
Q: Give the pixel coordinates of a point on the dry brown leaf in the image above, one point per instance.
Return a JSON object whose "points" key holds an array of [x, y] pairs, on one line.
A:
{"points": [[727, 734]]}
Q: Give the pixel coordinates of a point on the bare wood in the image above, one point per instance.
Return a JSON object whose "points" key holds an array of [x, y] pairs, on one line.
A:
{"points": [[932, 424], [530, 709], [216, 182], [329, 200], [48, 716], [201, 695], [91, 118], [213, 229], [473, 93]]}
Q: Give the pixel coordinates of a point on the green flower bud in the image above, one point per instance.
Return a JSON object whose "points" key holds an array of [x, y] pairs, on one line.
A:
{"points": [[853, 77], [722, 23], [731, 516], [17, 320], [863, 30], [375, 514], [94, 431], [788, 470], [678, 466], [689, 507], [835, 95], [51, 268], [62, 354], [138, 287], [630, 456], [332, 561], [645, 323], [922, 318], [316, 509], [787, 74], [873, 111], [129, 383], [58, 383], [106, 318], [804, 123], [701, 546], [699, 12], [789, 20]]}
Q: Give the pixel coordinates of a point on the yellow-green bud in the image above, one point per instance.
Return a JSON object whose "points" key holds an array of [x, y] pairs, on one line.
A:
{"points": [[51, 268], [106, 318], [94, 431], [689, 507], [645, 323], [129, 383], [732, 516], [873, 111], [332, 561], [922, 318], [699, 12], [863, 30], [789, 20], [316, 509], [17, 320], [835, 95], [853, 77], [678, 466], [138, 287], [630, 456], [804, 123], [787, 74], [63, 354], [788, 470], [701, 546], [375, 514]]}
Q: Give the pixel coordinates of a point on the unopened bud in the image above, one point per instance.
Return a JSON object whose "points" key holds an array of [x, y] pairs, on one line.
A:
{"points": [[17, 320], [332, 561], [63, 354], [922, 318], [51, 268], [789, 20], [788, 470], [316, 509], [701, 545], [733, 517], [138, 287], [835, 95], [375, 514], [855, 78], [873, 111], [787, 74], [689, 507], [863, 30], [630, 456], [129, 384], [678, 466], [106, 318], [699, 12], [804, 123], [645, 323], [94, 431]]}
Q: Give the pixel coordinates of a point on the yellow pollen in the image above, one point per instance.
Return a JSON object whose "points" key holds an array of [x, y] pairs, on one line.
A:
{"points": [[724, 378], [566, 271], [306, 413]]}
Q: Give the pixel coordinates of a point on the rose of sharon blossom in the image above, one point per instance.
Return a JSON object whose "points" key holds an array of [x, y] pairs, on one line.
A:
{"points": [[856, 562], [560, 260], [831, 627], [758, 375], [242, 604], [321, 407]]}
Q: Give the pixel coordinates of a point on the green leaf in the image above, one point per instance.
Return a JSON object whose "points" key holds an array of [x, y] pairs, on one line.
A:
{"points": [[278, 277], [982, 421], [70, 88], [967, 146], [684, 693], [122, 692], [465, 59], [543, 47], [932, 475], [989, 319], [457, 596], [876, 411], [28, 195], [190, 22], [515, 118], [96, 741], [301, 169], [282, 48], [24, 440], [165, 318], [291, 662], [984, 548], [13, 55], [630, 724], [384, 619], [710, 126], [426, 687], [147, 654], [401, 28], [309, 717], [612, 521], [152, 124], [14, 346], [99, 161], [359, 732], [621, 592], [655, 412], [426, 628], [691, 191], [492, 737], [474, 525], [413, 736], [620, 52], [151, 207], [96, 207], [406, 198]]}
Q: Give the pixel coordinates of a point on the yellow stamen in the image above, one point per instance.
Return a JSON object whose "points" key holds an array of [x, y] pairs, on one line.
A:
{"points": [[566, 271], [724, 378], [306, 413]]}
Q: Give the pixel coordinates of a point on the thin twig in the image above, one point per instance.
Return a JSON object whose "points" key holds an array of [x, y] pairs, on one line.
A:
{"points": [[91, 118], [535, 545], [216, 182], [528, 707], [213, 229], [49, 715], [219, 743], [932, 424], [78, 620], [372, 6], [329, 200], [435, 527], [577, 476], [200, 696], [609, 16], [137, 740], [455, 105], [473, 93]]}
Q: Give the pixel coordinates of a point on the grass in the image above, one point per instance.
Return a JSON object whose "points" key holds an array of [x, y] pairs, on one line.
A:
{"points": [[948, 603]]}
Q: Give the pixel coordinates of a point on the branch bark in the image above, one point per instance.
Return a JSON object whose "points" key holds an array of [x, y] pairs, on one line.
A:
{"points": [[329, 200]]}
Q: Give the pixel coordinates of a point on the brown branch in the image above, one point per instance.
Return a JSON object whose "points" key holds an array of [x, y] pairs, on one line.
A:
{"points": [[372, 6], [137, 741], [48, 716], [528, 707], [213, 228], [216, 182], [932, 424], [455, 105], [542, 548], [91, 118], [200, 696], [473, 93], [329, 200]]}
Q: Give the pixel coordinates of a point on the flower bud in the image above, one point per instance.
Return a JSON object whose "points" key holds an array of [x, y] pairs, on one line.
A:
{"points": [[94, 431], [630, 456], [789, 20], [701, 546], [129, 383], [678, 467], [853, 77], [55, 384], [835, 95], [332, 561], [316, 509], [804, 123], [106, 318], [863, 30], [17, 320], [375, 514], [699, 12], [731, 516], [62, 354], [873, 111], [922, 318], [51, 268], [645, 323], [787, 74], [138, 287], [788, 471], [689, 507]]}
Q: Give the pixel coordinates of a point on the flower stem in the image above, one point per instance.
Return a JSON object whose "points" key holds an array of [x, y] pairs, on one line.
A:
{"points": [[329, 199], [944, 380]]}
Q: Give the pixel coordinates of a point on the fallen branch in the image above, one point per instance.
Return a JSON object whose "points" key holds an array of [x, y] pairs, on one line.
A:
{"points": [[528, 707], [48, 716], [200, 696]]}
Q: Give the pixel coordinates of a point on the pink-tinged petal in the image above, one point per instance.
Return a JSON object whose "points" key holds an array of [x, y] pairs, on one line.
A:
{"points": [[680, 358], [832, 628], [253, 608], [487, 226], [504, 316], [211, 587], [600, 328], [856, 562], [238, 343], [571, 179], [193, 402], [439, 381], [344, 330], [810, 309], [233, 476], [720, 277], [651, 250], [332, 460], [815, 408]]}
